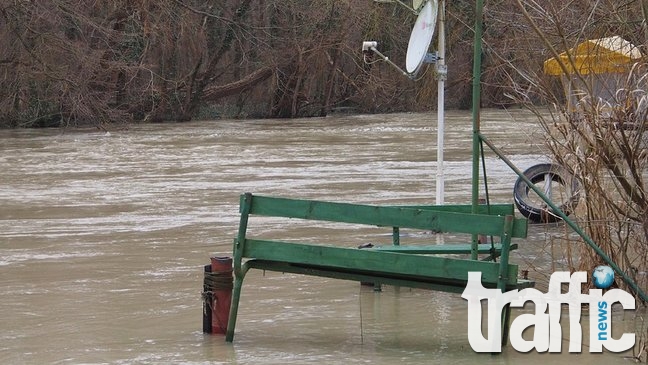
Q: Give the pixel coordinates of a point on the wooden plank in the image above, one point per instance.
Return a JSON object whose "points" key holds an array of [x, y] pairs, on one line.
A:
{"points": [[412, 282], [384, 263], [382, 216], [460, 248]]}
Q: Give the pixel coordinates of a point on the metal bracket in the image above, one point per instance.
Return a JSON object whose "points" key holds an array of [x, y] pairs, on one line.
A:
{"points": [[431, 57]]}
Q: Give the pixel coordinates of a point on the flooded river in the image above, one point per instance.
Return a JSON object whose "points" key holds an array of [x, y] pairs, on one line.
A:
{"points": [[103, 238]]}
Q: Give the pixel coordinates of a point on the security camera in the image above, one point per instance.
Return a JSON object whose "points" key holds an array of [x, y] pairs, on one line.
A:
{"points": [[368, 45]]}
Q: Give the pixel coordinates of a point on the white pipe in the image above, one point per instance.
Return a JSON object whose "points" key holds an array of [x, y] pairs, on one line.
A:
{"points": [[386, 59], [400, 3], [442, 72]]}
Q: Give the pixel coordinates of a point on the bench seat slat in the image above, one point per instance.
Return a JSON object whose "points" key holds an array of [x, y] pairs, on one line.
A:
{"points": [[493, 209], [410, 282], [460, 248], [371, 261]]}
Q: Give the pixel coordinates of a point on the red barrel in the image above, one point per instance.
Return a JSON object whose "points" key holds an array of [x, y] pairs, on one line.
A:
{"points": [[221, 288]]}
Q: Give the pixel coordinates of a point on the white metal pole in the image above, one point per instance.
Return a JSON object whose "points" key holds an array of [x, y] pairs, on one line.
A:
{"points": [[442, 73]]}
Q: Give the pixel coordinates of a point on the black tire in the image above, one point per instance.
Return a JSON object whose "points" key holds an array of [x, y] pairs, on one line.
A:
{"points": [[537, 211]]}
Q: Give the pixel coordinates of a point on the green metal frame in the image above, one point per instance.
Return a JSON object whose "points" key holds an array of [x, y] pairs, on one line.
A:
{"points": [[410, 266]]}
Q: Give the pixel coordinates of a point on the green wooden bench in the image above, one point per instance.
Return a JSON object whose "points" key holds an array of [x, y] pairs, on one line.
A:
{"points": [[410, 266]]}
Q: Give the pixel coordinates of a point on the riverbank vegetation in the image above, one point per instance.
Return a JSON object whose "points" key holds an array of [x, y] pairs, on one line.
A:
{"points": [[88, 63], [599, 134], [74, 62]]}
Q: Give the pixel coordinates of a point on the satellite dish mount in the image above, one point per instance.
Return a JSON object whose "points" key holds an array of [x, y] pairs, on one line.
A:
{"points": [[417, 55], [419, 42]]}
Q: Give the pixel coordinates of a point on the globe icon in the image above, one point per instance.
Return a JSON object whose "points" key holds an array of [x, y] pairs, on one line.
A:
{"points": [[603, 277]]}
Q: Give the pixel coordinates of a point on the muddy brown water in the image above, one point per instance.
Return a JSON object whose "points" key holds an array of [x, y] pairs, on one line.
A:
{"points": [[103, 237]]}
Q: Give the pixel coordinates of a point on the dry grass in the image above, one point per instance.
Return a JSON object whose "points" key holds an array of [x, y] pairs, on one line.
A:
{"points": [[600, 138], [605, 144]]}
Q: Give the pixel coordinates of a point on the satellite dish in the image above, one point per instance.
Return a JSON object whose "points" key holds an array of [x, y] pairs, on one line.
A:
{"points": [[421, 36]]}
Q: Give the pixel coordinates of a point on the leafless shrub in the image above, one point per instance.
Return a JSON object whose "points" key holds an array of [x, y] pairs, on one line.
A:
{"points": [[595, 123]]}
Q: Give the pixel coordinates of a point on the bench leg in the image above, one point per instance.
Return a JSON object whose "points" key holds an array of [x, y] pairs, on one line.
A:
{"points": [[236, 296]]}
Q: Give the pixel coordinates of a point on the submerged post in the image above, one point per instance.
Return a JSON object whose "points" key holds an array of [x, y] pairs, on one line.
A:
{"points": [[217, 295]]}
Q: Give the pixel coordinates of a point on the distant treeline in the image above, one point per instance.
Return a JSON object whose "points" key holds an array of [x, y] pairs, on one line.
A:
{"points": [[101, 63]]}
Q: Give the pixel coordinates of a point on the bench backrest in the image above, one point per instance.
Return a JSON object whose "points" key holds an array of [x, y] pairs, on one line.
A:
{"points": [[418, 217]]}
